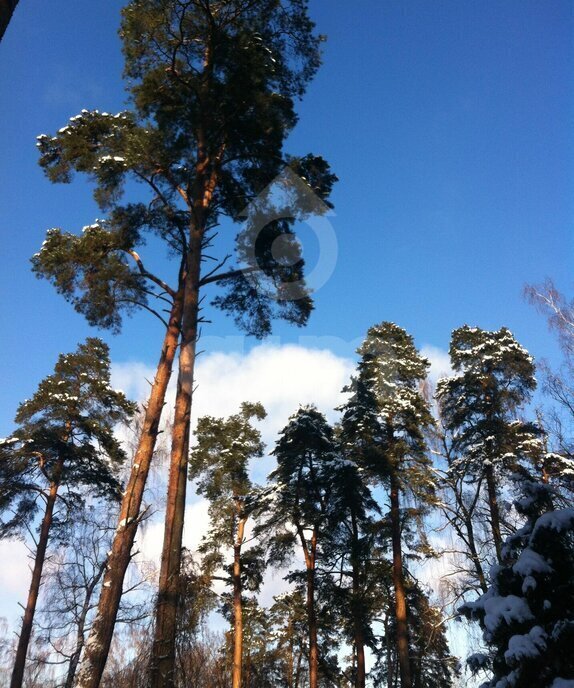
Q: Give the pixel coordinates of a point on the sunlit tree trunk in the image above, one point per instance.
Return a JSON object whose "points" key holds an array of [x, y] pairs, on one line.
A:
{"points": [[399, 585], [237, 607], [163, 652], [39, 559], [494, 512], [99, 641], [310, 555]]}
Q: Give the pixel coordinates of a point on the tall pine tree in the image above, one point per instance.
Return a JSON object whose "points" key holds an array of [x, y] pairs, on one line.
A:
{"points": [[494, 378], [527, 614], [220, 463], [389, 415], [212, 89], [64, 442], [432, 664], [358, 538], [299, 503]]}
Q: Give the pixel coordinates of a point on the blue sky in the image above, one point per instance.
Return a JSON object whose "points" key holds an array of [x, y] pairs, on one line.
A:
{"points": [[449, 124]]}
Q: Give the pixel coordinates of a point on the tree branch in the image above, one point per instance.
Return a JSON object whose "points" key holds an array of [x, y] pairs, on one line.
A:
{"points": [[227, 275], [149, 275]]}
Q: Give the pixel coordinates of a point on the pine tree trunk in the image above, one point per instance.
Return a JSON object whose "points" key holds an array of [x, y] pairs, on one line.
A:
{"points": [[312, 614], [237, 607], [290, 656], [98, 644], [298, 669], [39, 559], [247, 672], [465, 530], [359, 639], [360, 647], [7, 8], [312, 620], [163, 651], [494, 512], [399, 585], [474, 554]]}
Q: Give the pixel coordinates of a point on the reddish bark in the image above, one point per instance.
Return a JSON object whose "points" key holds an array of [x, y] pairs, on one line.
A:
{"points": [[399, 585], [164, 647], [98, 644], [310, 552], [494, 512], [39, 559], [237, 607]]}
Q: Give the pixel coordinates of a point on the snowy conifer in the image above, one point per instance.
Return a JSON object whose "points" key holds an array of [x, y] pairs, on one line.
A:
{"points": [[212, 92], [527, 614], [220, 464], [298, 504], [358, 538], [386, 417], [494, 378], [433, 666], [64, 443]]}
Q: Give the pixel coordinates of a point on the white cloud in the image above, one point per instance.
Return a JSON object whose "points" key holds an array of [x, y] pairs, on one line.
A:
{"points": [[150, 538], [15, 572], [439, 360], [280, 377], [14, 578], [133, 379]]}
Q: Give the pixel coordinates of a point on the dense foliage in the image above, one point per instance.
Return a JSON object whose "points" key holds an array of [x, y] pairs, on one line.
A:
{"points": [[358, 513]]}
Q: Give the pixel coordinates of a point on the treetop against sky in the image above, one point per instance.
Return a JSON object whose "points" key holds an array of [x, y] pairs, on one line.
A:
{"points": [[449, 128]]}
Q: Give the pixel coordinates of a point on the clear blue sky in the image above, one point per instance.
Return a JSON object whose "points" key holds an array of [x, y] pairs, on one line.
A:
{"points": [[449, 124]]}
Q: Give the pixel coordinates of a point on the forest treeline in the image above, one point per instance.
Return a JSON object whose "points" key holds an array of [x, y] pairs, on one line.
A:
{"points": [[352, 512]]}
